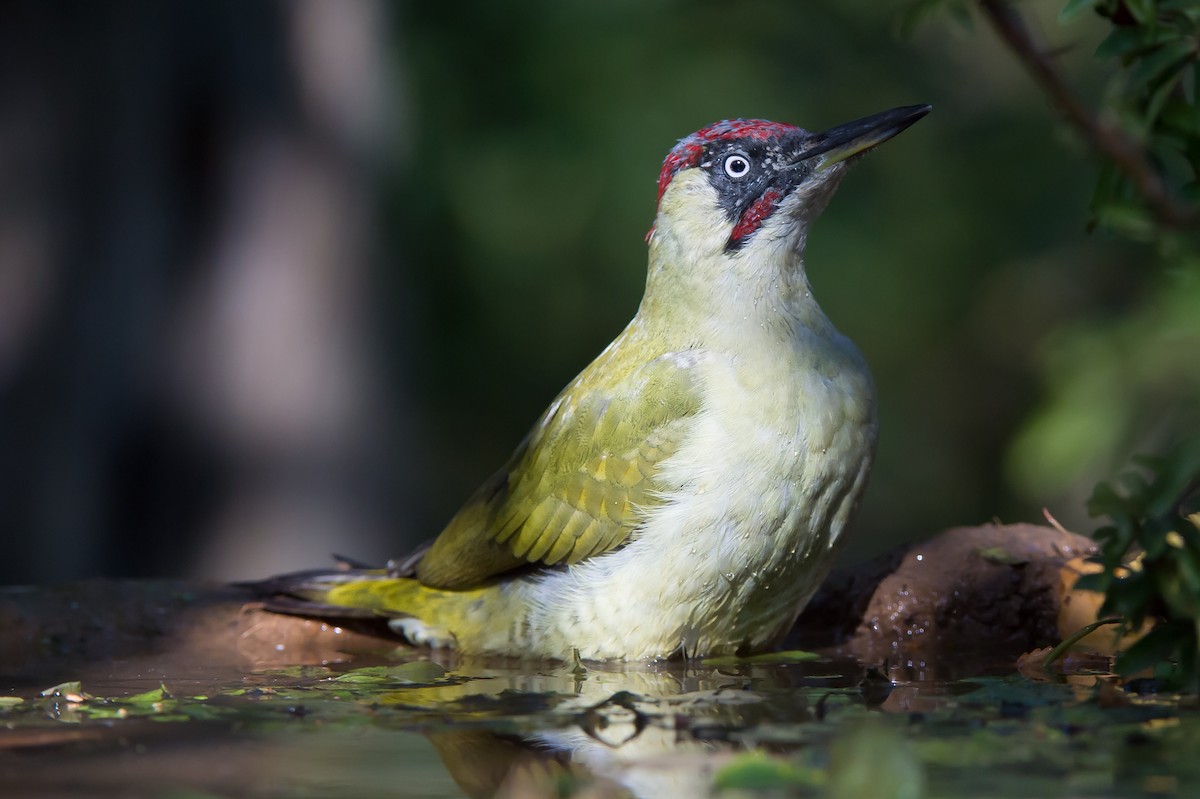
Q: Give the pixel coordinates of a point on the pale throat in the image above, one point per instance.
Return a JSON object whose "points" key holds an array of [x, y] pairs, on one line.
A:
{"points": [[695, 285]]}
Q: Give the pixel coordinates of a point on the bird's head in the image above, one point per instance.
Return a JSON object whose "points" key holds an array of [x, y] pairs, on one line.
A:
{"points": [[745, 185]]}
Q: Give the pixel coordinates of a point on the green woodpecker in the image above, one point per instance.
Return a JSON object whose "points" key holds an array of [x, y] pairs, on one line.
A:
{"points": [[685, 494]]}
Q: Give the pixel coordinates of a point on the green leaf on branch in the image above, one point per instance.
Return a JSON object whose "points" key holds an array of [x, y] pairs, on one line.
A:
{"points": [[1158, 645], [1130, 219], [1162, 62], [1141, 10], [1151, 558], [1118, 43]]}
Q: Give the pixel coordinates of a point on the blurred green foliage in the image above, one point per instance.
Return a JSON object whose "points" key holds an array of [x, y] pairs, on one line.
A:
{"points": [[1152, 52], [1128, 381]]}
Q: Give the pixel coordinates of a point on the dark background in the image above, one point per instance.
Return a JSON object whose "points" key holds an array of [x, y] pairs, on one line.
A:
{"points": [[282, 279]]}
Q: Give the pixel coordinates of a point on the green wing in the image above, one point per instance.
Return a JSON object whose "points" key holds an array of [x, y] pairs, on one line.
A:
{"points": [[580, 482]]}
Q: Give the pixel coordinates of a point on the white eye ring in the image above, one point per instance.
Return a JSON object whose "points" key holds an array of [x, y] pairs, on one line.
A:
{"points": [[737, 165]]}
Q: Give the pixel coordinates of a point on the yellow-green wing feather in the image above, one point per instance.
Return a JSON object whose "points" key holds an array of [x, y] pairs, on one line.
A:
{"points": [[581, 480]]}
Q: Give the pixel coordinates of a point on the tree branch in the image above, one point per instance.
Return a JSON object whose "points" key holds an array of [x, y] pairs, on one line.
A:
{"points": [[1108, 140]]}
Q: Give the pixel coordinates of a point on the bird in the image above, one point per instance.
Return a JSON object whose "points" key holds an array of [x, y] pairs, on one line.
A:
{"points": [[685, 494]]}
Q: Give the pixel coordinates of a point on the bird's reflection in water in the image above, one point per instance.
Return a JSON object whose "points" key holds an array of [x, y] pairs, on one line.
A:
{"points": [[613, 730]]}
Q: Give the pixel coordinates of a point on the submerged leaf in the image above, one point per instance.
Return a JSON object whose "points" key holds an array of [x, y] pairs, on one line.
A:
{"points": [[876, 761], [758, 771]]}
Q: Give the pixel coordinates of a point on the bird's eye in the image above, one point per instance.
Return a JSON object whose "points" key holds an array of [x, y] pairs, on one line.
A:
{"points": [[737, 165]]}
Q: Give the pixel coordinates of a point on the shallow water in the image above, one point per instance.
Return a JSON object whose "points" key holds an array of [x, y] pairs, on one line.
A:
{"points": [[405, 726]]}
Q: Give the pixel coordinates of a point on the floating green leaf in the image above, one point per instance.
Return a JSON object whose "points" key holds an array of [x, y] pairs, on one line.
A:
{"points": [[790, 656], [149, 697], [419, 671], [71, 691]]}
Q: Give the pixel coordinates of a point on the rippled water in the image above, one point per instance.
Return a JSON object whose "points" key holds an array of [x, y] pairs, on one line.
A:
{"points": [[409, 727]]}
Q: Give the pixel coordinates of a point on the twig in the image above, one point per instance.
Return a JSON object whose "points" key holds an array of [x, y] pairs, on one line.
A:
{"points": [[1074, 638], [1108, 140], [1055, 523]]}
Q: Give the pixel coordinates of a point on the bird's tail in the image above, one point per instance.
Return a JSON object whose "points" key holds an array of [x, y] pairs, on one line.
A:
{"points": [[423, 615]]}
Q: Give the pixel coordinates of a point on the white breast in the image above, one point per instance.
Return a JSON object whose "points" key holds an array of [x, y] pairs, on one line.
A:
{"points": [[757, 499]]}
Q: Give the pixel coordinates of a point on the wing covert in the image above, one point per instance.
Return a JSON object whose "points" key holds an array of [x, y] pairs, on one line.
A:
{"points": [[580, 482]]}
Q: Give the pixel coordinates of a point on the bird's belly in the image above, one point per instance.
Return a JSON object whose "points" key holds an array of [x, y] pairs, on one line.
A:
{"points": [[757, 500]]}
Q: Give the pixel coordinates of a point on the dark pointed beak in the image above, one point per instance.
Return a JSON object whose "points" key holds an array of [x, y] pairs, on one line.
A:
{"points": [[837, 144]]}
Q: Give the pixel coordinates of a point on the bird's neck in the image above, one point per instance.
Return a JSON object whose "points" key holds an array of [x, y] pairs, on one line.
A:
{"points": [[708, 297]]}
